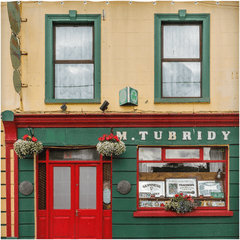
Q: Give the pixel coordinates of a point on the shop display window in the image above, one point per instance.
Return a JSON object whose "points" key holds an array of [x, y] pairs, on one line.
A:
{"points": [[200, 172]]}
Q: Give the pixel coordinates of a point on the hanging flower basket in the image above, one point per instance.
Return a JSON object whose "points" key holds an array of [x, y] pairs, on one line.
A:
{"points": [[109, 145], [28, 146], [181, 204]]}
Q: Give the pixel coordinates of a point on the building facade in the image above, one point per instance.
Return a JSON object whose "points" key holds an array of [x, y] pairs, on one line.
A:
{"points": [[162, 76]]}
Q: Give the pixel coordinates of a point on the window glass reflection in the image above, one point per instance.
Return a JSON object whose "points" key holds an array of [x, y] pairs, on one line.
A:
{"points": [[150, 153]]}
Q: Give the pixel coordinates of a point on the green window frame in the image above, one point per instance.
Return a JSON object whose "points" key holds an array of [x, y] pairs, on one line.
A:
{"points": [[71, 18], [182, 17]]}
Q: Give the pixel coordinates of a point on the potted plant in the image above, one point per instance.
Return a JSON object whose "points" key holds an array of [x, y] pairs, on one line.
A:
{"points": [[109, 145], [27, 146], [181, 204]]}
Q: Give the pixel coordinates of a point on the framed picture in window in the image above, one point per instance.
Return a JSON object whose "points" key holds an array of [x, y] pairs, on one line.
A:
{"points": [[208, 188], [151, 189], [187, 186]]}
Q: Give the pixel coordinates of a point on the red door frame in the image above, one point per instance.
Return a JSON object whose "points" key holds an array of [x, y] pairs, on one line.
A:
{"points": [[105, 230]]}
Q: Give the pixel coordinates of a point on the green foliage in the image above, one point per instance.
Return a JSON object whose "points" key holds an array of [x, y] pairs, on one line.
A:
{"points": [[181, 204]]}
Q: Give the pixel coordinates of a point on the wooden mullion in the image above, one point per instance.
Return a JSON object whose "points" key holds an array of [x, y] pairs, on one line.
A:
{"points": [[181, 60], [73, 61]]}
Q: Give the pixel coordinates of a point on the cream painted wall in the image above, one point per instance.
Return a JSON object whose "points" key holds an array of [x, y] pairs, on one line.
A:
{"points": [[127, 55]]}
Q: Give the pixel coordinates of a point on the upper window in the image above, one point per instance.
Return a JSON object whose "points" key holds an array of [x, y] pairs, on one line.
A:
{"points": [[182, 57], [72, 58]]}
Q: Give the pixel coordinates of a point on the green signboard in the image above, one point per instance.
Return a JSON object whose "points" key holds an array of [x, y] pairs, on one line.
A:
{"points": [[128, 97]]}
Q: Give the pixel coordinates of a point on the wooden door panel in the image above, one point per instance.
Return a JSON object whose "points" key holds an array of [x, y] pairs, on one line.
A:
{"points": [[42, 226], [62, 220], [89, 220], [87, 226], [62, 227]]}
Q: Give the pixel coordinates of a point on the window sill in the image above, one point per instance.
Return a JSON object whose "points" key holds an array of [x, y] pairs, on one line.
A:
{"points": [[183, 100], [96, 100], [196, 213]]}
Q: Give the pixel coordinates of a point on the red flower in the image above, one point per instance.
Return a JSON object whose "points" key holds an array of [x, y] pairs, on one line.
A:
{"points": [[107, 138], [116, 138], [181, 194], [162, 205], [34, 139], [176, 195], [25, 137]]}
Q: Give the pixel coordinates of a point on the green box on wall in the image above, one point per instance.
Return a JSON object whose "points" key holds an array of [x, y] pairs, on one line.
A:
{"points": [[128, 97]]}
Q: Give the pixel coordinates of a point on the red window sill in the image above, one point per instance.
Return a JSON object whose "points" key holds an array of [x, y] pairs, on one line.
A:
{"points": [[196, 213]]}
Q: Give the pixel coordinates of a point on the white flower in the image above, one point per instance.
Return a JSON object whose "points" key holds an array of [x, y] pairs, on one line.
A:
{"points": [[23, 148], [107, 148]]}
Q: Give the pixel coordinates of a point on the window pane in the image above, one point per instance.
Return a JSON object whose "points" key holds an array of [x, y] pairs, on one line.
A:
{"points": [[74, 154], [214, 153], [74, 81], [61, 188], [150, 153], [182, 153], [176, 167], [74, 43], [87, 188], [181, 42], [181, 79]]}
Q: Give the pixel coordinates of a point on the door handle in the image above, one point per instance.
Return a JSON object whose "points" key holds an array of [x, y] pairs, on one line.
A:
{"points": [[76, 212]]}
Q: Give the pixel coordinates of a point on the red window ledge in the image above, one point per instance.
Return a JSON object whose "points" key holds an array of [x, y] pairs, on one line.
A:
{"points": [[195, 213]]}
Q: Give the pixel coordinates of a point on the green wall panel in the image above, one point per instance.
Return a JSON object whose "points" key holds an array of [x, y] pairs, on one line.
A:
{"points": [[26, 217], [234, 190], [127, 165], [123, 204], [131, 152], [234, 150], [25, 164], [234, 176], [116, 194], [234, 203], [26, 230], [178, 230], [234, 163], [124, 217], [26, 176], [66, 136], [26, 204]]}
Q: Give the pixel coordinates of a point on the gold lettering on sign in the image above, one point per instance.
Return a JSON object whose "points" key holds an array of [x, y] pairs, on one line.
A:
{"points": [[156, 135], [143, 133], [225, 135], [172, 135], [186, 135], [211, 135], [122, 136]]}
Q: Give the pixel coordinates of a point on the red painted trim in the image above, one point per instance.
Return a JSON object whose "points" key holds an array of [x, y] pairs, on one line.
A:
{"points": [[127, 120], [16, 233], [195, 213], [10, 130], [8, 190], [48, 180]]}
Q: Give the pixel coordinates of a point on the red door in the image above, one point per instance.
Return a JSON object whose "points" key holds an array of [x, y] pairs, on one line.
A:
{"points": [[75, 201]]}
